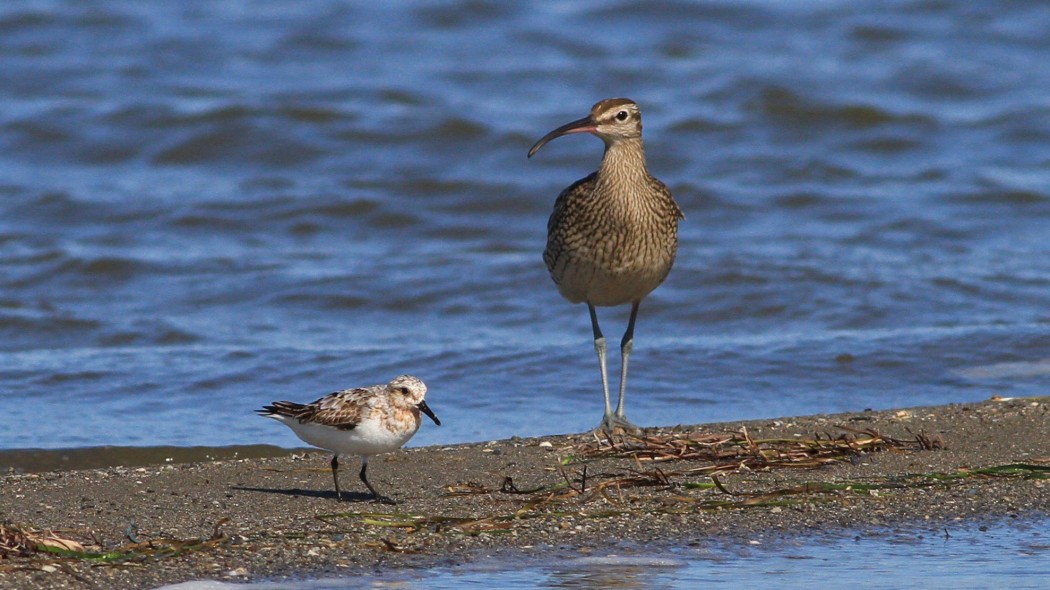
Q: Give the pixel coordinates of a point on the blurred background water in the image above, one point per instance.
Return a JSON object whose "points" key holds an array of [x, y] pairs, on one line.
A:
{"points": [[206, 206]]}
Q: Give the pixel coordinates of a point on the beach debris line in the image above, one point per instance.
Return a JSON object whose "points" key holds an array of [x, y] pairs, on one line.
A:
{"points": [[719, 453], [551, 503], [735, 450], [16, 541], [48, 549]]}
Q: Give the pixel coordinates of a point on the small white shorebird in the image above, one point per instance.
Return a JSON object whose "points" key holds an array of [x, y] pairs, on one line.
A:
{"points": [[363, 421]]}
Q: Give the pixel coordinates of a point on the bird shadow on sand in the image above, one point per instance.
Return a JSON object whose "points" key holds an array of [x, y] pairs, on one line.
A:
{"points": [[299, 492]]}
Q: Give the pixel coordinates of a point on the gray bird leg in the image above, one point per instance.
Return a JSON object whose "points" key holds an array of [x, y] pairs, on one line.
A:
{"points": [[626, 345], [600, 348], [617, 420]]}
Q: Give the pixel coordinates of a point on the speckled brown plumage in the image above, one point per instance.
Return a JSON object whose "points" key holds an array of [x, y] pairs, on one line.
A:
{"points": [[613, 235], [341, 409], [611, 246], [365, 421]]}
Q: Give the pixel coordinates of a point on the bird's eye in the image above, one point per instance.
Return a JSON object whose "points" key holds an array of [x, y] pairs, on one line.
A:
{"points": [[622, 116], [403, 390]]}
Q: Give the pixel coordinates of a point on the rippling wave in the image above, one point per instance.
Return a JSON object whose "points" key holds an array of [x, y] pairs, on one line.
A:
{"points": [[204, 207]]}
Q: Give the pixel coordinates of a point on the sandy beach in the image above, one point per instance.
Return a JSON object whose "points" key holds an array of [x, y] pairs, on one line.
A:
{"points": [[277, 517]]}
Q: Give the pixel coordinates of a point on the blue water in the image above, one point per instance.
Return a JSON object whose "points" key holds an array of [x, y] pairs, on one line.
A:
{"points": [[969, 556], [206, 206]]}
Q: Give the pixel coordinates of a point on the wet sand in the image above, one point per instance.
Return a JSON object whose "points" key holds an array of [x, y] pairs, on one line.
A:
{"points": [[277, 517]]}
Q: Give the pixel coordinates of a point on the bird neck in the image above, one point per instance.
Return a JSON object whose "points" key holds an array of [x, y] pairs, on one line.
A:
{"points": [[623, 166]]}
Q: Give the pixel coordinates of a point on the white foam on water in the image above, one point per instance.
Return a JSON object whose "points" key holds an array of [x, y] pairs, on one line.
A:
{"points": [[1007, 370]]}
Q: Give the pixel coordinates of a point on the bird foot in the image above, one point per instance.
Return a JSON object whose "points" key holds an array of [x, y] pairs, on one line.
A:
{"points": [[613, 424], [384, 500]]}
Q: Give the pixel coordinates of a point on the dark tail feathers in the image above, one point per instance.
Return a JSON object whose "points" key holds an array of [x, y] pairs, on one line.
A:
{"points": [[290, 409]]}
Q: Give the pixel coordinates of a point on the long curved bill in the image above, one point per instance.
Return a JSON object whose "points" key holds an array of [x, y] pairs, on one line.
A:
{"points": [[423, 407], [584, 125]]}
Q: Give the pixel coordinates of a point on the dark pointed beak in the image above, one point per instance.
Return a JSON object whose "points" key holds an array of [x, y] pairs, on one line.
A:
{"points": [[584, 125], [423, 407]]}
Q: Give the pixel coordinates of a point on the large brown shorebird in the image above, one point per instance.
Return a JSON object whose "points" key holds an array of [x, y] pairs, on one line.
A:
{"points": [[613, 235]]}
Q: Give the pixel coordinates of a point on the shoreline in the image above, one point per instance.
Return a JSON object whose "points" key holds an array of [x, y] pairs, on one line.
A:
{"points": [[276, 517], [37, 460]]}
